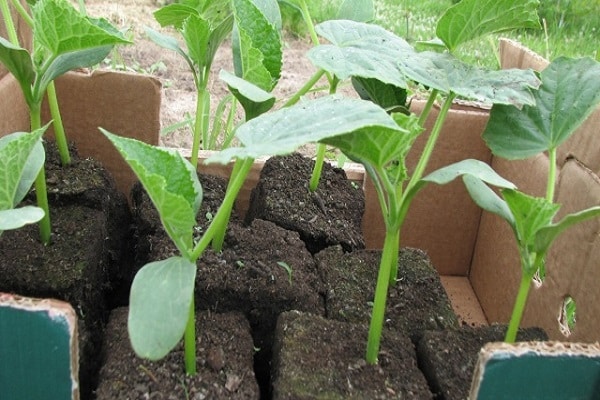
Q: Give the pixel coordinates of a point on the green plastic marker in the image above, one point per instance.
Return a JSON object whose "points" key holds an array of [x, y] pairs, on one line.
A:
{"points": [[38, 349], [537, 370]]}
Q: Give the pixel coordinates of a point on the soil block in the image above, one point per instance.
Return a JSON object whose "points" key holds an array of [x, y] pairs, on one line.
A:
{"points": [[417, 302], [329, 216], [448, 358], [317, 358], [224, 362]]}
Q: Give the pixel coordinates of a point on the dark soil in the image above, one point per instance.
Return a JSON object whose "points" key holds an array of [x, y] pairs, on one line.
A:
{"points": [[417, 302], [80, 264], [448, 357], [331, 215], [317, 358], [224, 363]]}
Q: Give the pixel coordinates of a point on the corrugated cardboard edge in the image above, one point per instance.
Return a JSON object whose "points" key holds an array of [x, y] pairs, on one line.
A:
{"points": [[547, 349], [56, 309]]}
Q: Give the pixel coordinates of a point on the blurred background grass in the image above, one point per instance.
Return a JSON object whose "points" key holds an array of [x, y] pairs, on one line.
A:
{"points": [[572, 27]]}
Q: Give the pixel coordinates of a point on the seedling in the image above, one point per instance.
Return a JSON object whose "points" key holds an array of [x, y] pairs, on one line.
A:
{"points": [[21, 158], [63, 40], [380, 59], [287, 268], [570, 91], [157, 317]]}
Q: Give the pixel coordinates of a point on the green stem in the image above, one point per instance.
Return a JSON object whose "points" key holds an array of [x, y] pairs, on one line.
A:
{"points": [[59, 129], [304, 89], [431, 141], [428, 106], [519, 307], [199, 124], [551, 175], [309, 23], [23, 12], [316, 173], [41, 192], [189, 342], [9, 23], [221, 219], [389, 254]]}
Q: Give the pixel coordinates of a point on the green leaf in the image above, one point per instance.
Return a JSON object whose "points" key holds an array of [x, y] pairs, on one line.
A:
{"points": [[569, 93], [174, 15], [18, 61], [169, 43], [284, 130], [472, 167], [171, 182], [378, 146], [159, 306], [357, 10], [259, 42], [360, 50], [196, 33], [448, 74], [531, 215], [217, 36], [254, 100], [18, 217], [21, 158], [60, 28], [385, 95], [487, 199], [470, 19], [547, 234]]}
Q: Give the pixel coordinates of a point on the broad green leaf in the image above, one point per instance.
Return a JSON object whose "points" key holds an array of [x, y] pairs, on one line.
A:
{"points": [[378, 146], [360, 50], [18, 61], [547, 234], [217, 36], [68, 61], [18, 169], [174, 14], [569, 93], [446, 73], [196, 33], [487, 199], [215, 11], [60, 28], [171, 183], [159, 306], [254, 100], [385, 95], [357, 10], [259, 40], [470, 19], [284, 130], [531, 214], [18, 217], [270, 9]]}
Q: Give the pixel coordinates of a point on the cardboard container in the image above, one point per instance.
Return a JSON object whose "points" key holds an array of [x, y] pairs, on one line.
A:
{"points": [[474, 252]]}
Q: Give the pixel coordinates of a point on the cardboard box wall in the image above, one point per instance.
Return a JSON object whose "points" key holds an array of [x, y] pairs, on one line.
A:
{"points": [[473, 251]]}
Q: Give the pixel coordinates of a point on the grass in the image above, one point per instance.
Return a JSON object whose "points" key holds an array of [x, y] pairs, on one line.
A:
{"points": [[572, 26]]}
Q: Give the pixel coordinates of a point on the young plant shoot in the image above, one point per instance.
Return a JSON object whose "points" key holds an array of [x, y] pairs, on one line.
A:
{"points": [[158, 319], [63, 40], [570, 91], [21, 158], [376, 59]]}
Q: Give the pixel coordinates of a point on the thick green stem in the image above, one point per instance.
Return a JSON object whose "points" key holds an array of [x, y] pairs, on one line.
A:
{"points": [[309, 23], [551, 175], [221, 219], [59, 129], [9, 23], [316, 173], [189, 342], [389, 254], [428, 106], [41, 191], [23, 12], [200, 133], [518, 309]]}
